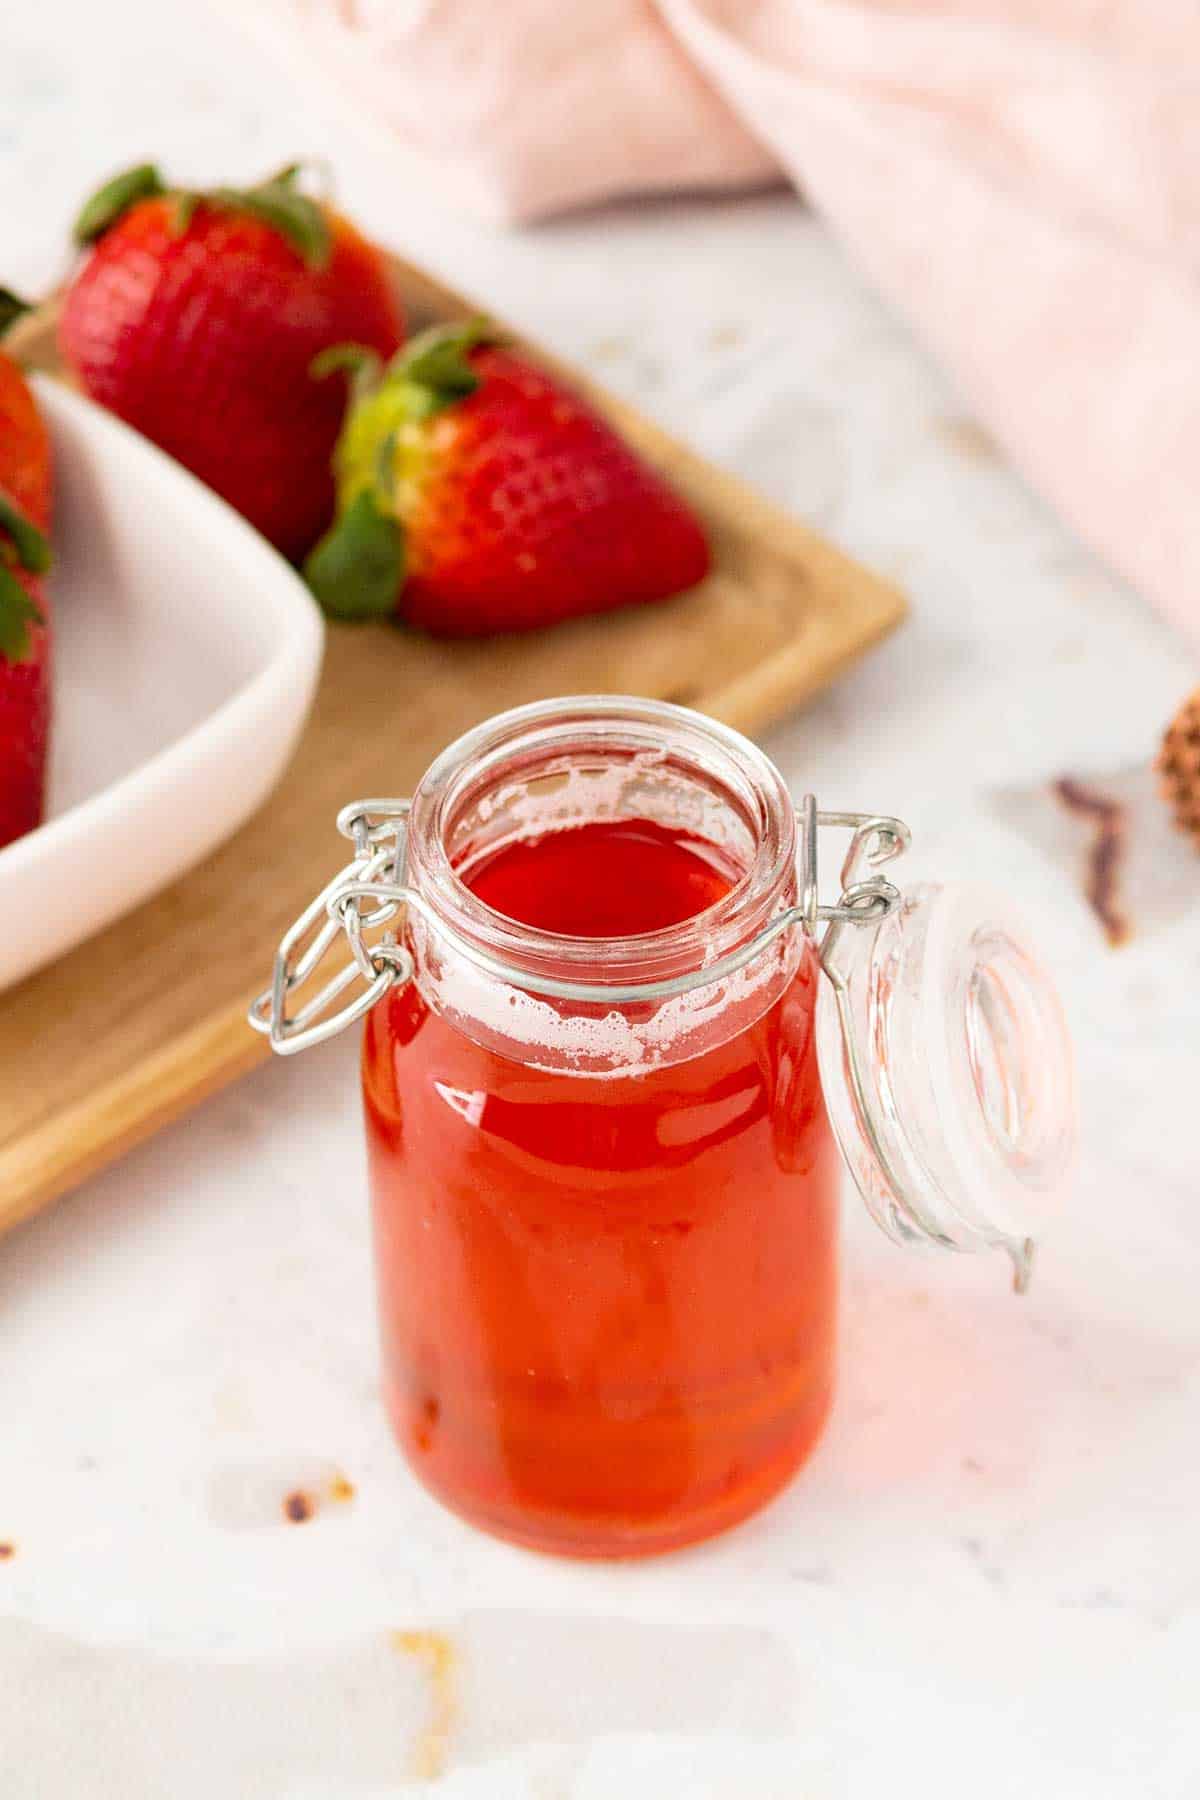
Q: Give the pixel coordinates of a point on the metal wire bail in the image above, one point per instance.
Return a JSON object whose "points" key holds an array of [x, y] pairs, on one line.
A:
{"points": [[379, 832], [371, 893]]}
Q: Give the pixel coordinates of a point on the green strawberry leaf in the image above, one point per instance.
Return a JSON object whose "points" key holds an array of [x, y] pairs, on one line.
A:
{"points": [[437, 361], [18, 611], [183, 209], [279, 204], [33, 552], [356, 569], [363, 365], [381, 448], [11, 308], [385, 471], [116, 197]]}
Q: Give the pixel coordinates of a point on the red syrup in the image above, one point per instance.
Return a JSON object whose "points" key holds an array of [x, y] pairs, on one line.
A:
{"points": [[607, 1303]]}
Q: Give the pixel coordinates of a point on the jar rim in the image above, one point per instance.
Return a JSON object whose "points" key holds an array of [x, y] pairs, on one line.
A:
{"points": [[622, 726]]}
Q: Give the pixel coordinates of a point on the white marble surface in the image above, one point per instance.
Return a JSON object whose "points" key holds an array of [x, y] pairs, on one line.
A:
{"points": [[988, 1581]]}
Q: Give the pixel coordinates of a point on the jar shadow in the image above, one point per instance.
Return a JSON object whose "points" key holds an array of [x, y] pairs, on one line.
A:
{"points": [[1023, 1431]]}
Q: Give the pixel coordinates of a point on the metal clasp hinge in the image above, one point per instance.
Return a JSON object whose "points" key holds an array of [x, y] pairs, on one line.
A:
{"points": [[371, 891], [379, 832]]}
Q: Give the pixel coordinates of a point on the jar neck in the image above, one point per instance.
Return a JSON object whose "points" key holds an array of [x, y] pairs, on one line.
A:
{"points": [[566, 763]]}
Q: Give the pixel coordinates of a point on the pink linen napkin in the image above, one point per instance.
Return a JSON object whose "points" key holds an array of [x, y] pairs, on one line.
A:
{"points": [[1020, 177]]}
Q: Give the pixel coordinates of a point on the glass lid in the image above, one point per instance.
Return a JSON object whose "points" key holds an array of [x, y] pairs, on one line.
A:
{"points": [[948, 1072]]}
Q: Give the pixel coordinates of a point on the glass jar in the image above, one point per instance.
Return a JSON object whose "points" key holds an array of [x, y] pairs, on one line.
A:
{"points": [[602, 1159]]}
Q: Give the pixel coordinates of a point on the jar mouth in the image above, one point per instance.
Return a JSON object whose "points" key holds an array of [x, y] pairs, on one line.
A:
{"points": [[558, 763]]}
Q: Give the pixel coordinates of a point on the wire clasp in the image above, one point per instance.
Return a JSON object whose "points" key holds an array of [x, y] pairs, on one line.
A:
{"points": [[371, 892]]}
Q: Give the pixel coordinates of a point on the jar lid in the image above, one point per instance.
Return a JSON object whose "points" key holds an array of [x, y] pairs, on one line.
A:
{"points": [[948, 1073]]}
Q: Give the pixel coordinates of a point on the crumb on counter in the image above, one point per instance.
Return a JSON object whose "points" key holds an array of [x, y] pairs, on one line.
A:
{"points": [[968, 439], [437, 1653], [299, 1507]]}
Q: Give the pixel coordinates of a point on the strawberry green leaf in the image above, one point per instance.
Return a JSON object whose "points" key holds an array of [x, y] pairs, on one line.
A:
{"points": [[11, 308], [342, 356], [18, 611], [183, 210], [378, 449], [356, 569], [437, 360], [33, 552], [116, 197], [385, 470], [363, 365], [295, 216]]}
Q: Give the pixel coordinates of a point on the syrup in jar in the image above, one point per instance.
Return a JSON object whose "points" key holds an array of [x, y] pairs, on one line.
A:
{"points": [[608, 1301]]}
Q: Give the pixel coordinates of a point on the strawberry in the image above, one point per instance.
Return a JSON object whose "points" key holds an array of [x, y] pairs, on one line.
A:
{"points": [[196, 317], [477, 494], [25, 638]]}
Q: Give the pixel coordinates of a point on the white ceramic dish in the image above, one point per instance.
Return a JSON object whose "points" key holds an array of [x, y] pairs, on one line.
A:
{"points": [[187, 654]]}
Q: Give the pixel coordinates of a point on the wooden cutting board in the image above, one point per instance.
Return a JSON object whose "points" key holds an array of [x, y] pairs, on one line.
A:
{"points": [[139, 1024]]}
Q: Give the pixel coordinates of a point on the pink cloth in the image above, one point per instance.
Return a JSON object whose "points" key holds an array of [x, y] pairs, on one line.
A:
{"points": [[1020, 177]]}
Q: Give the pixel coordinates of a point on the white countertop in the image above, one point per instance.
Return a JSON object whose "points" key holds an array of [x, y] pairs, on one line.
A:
{"points": [[988, 1580]]}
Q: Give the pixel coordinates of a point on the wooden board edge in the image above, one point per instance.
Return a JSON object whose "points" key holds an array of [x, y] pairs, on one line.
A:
{"points": [[125, 1112], [786, 681], [31, 341]]}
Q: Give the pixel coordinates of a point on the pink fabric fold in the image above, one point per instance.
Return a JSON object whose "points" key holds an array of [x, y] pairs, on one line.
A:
{"points": [[1020, 177]]}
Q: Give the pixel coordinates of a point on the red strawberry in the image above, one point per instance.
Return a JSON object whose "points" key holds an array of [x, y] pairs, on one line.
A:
{"points": [[478, 494], [196, 318], [25, 639]]}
